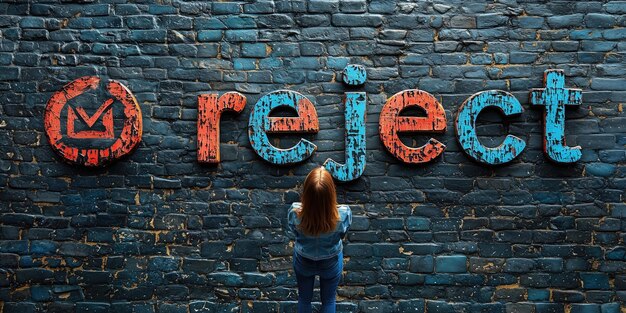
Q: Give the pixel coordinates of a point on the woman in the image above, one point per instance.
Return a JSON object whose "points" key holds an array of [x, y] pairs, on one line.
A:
{"points": [[319, 226]]}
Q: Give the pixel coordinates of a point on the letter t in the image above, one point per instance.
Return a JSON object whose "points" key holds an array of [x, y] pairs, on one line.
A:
{"points": [[555, 97]]}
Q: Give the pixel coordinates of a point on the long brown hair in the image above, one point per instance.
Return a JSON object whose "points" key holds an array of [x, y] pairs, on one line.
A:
{"points": [[319, 203]]}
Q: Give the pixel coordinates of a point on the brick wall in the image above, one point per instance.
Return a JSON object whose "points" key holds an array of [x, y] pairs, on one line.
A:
{"points": [[159, 232]]}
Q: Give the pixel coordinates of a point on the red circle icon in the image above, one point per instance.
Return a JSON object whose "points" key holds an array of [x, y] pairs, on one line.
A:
{"points": [[103, 118]]}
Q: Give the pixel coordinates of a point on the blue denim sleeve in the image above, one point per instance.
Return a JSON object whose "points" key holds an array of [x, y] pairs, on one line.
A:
{"points": [[291, 218], [347, 221], [290, 225]]}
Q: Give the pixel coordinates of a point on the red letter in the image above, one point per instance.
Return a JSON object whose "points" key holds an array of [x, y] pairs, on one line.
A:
{"points": [[391, 123], [210, 109]]}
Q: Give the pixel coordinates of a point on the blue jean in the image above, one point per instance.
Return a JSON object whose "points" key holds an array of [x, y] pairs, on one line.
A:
{"points": [[329, 271]]}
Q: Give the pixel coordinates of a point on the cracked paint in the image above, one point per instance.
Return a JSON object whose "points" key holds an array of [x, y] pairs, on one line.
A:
{"points": [[465, 122], [555, 97], [391, 123], [261, 124], [354, 75], [210, 109], [354, 166]]}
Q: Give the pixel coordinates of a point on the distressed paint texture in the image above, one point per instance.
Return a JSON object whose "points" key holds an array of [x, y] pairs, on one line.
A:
{"points": [[354, 166], [129, 136], [210, 109], [107, 121], [555, 97], [391, 123], [260, 124], [354, 75], [465, 122]]}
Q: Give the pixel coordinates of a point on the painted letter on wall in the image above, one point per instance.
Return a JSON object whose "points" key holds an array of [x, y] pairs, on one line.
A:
{"points": [[90, 146], [465, 122], [260, 124], [210, 108], [355, 140], [555, 97], [354, 75], [391, 123]]}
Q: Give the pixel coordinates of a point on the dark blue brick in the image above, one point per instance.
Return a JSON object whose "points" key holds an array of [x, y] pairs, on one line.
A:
{"points": [[32, 22], [9, 260], [550, 264], [161, 9], [75, 249], [241, 35], [595, 20], [585, 308], [43, 247], [141, 21], [594, 280], [278, 21], [258, 50], [491, 20], [9, 73], [538, 294], [21, 307], [226, 8], [107, 22], [239, 22], [600, 169], [451, 264], [152, 36], [209, 35], [610, 307], [565, 20], [323, 6], [549, 308], [417, 223], [225, 279], [614, 34], [616, 7], [421, 264], [515, 265], [175, 22], [14, 246], [355, 20], [259, 7]]}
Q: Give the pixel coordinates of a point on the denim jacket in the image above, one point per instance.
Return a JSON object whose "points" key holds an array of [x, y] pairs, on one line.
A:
{"points": [[325, 245]]}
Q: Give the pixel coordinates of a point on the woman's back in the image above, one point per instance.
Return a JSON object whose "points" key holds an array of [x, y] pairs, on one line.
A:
{"points": [[324, 245]]}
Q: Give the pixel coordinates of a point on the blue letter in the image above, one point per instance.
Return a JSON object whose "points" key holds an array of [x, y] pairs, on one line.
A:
{"points": [[355, 140], [466, 132], [555, 97], [260, 124]]}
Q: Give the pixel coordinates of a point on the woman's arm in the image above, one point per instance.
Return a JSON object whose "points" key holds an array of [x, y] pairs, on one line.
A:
{"points": [[347, 221], [291, 218]]}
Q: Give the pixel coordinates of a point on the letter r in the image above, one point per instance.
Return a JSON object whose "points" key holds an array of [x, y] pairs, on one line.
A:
{"points": [[210, 108]]}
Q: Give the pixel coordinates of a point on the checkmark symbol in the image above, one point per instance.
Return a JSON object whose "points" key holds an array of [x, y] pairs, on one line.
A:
{"points": [[91, 120], [104, 113]]}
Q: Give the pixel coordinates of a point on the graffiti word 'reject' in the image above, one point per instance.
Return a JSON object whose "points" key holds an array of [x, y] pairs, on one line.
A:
{"points": [[554, 97]]}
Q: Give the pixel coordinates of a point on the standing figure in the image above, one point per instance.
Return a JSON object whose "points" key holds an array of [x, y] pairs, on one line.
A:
{"points": [[319, 225]]}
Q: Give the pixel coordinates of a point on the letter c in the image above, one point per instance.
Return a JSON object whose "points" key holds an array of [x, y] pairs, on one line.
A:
{"points": [[465, 122]]}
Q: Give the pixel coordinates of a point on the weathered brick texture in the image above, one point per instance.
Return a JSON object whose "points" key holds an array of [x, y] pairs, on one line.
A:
{"points": [[160, 232]]}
